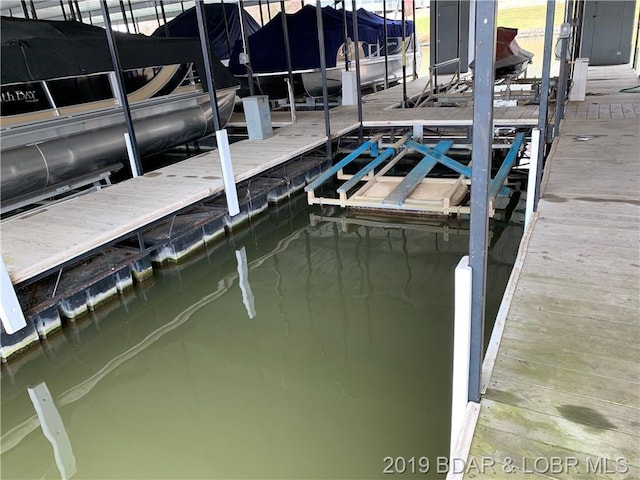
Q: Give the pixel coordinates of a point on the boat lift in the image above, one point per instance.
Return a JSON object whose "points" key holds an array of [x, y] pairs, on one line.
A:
{"points": [[414, 192]]}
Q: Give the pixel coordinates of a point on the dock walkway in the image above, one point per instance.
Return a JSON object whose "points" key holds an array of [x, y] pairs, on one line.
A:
{"points": [[563, 397], [40, 242]]}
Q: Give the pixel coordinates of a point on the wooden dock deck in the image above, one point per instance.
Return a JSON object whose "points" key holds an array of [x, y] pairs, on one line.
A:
{"points": [[33, 244], [563, 387], [38, 242]]}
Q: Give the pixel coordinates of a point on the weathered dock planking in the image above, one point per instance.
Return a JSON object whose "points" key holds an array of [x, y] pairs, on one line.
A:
{"points": [[565, 385], [104, 216], [38, 242]]}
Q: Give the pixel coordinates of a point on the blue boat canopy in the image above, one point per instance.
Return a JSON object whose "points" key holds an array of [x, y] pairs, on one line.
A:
{"points": [[186, 25], [267, 50]]}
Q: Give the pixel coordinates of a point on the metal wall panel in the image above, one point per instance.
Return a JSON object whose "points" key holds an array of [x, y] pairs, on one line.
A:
{"points": [[607, 30], [450, 22]]}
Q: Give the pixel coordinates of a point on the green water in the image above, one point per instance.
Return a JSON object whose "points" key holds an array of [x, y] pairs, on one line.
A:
{"points": [[335, 354]]}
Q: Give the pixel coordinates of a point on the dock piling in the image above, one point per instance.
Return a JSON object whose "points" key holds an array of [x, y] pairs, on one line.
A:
{"points": [[533, 175], [230, 191], [461, 347], [10, 309]]}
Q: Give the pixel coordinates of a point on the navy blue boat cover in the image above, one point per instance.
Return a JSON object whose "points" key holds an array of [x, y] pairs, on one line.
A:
{"points": [[33, 50], [186, 25], [266, 46]]}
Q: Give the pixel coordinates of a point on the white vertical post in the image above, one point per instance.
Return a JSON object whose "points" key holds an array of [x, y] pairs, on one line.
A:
{"points": [[131, 155], [418, 132], [243, 280], [578, 90], [10, 309], [53, 429], [230, 191], [533, 175], [349, 88], [461, 348]]}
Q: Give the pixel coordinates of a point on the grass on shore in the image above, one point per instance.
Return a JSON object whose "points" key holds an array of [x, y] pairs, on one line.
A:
{"points": [[526, 17]]}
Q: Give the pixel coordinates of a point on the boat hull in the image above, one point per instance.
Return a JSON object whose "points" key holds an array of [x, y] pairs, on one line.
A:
{"points": [[45, 156], [372, 72]]}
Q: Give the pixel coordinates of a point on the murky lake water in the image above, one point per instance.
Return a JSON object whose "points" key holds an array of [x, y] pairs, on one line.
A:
{"points": [[290, 350]]}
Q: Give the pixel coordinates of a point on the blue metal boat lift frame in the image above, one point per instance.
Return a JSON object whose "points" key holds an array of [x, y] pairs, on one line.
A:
{"points": [[398, 198]]}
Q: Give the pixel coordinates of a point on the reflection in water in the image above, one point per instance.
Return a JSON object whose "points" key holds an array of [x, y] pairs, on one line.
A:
{"points": [[243, 281], [331, 351], [53, 429]]}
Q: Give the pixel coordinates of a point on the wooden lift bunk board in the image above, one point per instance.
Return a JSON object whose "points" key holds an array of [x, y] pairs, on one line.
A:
{"points": [[414, 192]]}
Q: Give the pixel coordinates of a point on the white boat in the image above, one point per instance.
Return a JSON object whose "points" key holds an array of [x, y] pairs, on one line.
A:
{"points": [[269, 64]]}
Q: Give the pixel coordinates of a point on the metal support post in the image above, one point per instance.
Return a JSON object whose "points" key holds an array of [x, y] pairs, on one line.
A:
{"points": [[222, 139], [245, 42], [346, 35], [201, 16], [404, 55], [483, 84], [124, 16], [64, 12], [323, 73], [565, 34], [543, 109], [287, 50], [226, 28], [78, 11], [261, 14], [433, 44], [356, 39], [164, 19], [25, 12], [416, 42], [386, 45], [136, 166], [635, 46], [472, 34]]}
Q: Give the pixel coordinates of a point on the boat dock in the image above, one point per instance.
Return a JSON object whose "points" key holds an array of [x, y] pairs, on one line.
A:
{"points": [[167, 213], [146, 199], [143, 200], [561, 373]]}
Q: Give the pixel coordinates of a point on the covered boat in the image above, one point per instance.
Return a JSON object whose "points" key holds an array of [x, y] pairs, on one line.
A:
{"points": [[511, 59], [61, 124], [224, 27], [269, 60]]}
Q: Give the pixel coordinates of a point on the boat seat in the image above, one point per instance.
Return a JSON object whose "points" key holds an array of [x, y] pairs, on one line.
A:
{"points": [[351, 52]]}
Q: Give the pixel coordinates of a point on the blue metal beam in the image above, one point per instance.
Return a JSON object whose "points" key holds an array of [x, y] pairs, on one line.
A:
{"points": [[387, 153], [441, 158], [341, 164], [409, 183], [506, 166]]}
